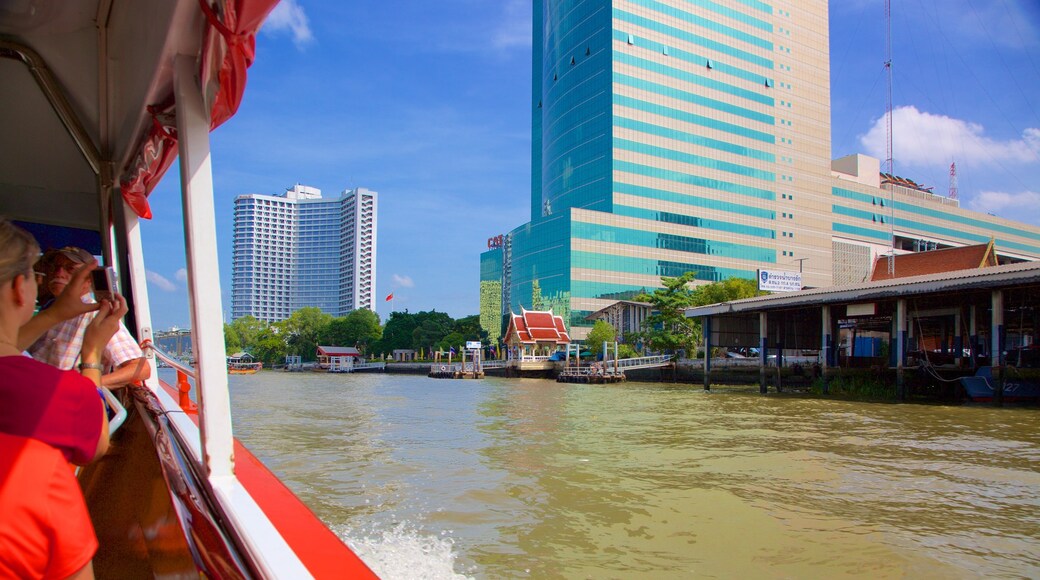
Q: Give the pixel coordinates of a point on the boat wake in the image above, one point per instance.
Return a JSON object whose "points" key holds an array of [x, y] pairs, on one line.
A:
{"points": [[404, 552]]}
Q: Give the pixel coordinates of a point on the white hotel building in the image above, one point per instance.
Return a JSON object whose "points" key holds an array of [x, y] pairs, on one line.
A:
{"points": [[299, 249]]}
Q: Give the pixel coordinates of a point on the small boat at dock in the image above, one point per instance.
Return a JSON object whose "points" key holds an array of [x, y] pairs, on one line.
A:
{"points": [[982, 387]]}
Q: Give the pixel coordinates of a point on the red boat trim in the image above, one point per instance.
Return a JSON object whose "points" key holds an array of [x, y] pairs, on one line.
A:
{"points": [[321, 551]]}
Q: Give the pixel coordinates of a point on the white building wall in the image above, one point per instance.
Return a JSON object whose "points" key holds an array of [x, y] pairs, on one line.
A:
{"points": [[274, 267]]}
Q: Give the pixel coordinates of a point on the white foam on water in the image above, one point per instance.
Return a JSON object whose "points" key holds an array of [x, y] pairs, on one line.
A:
{"points": [[404, 553]]}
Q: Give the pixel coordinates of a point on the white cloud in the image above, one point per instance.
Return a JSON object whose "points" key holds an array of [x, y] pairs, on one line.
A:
{"points": [[181, 275], [160, 282], [403, 281], [514, 31], [1022, 206], [289, 16], [923, 139]]}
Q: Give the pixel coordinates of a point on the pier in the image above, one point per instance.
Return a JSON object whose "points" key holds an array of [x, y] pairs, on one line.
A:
{"points": [[470, 365]]}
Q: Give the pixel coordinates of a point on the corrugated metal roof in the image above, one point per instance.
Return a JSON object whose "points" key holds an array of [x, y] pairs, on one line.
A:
{"points": [[971, 279]]}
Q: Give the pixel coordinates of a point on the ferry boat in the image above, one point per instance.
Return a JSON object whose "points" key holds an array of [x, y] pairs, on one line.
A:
{"points": [[243, 364], [244, 368], [98, 98]]}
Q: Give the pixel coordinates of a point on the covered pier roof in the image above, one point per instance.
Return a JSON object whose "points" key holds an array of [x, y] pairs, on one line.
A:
{"points": [[992, 278]]}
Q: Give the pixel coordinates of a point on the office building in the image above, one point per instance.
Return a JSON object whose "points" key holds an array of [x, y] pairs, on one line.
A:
{"points": [[299, 249], [672, 136]]}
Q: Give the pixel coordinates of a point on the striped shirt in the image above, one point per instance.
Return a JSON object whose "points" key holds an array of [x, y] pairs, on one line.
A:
{"points": [[61, 345]]}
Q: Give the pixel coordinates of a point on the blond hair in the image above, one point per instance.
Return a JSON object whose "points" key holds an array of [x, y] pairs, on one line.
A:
{"points": [[18, 251]]}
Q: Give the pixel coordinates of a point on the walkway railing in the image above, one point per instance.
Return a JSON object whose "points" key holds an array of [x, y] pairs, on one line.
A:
{"points": [[644, 362]]}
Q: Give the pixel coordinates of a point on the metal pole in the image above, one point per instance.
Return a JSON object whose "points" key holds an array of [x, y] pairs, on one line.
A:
{"points": [[707, 353], [900, 347], [763, 354]]}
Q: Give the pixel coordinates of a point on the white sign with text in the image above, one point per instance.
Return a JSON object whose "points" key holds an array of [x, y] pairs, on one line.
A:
{"points": [[778, 281]]}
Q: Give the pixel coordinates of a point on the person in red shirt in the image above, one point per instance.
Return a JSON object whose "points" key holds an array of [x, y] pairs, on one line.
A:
{"points": [[45, 531], [60, 410]]}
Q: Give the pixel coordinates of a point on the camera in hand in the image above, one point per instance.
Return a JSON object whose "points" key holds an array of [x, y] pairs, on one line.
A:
{"points": [[104, 280]]}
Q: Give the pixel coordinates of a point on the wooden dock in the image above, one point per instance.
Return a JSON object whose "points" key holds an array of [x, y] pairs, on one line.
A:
{"points": [[590, 375], [456, 371]]}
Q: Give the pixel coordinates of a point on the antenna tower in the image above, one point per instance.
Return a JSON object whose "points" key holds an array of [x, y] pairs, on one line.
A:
{"points": [[888, 140], [953, 180]]}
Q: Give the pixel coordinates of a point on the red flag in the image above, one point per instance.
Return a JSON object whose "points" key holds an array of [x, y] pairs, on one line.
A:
{"points": [[389, 297]]}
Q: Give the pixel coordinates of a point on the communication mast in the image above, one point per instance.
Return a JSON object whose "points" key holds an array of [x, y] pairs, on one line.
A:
{"points": [[888, 140], [953, 180]]}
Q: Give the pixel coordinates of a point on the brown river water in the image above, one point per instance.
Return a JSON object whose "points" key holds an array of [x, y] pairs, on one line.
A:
{"points": [[510, 478]]}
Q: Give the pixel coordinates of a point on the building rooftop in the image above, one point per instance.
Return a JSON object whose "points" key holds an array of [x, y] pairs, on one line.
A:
{"points": [[538, 326], [936, 261]]}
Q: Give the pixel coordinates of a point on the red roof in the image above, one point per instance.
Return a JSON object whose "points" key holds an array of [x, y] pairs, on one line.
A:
{"points": [[936, 261], [532, 326], [338, 351]]}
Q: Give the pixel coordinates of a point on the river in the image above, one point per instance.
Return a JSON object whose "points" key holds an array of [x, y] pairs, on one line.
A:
{"points": [[510, 478]]}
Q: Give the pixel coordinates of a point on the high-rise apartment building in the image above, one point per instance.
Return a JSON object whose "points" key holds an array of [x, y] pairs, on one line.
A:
{"points": [[299, 249], [694, 135]]}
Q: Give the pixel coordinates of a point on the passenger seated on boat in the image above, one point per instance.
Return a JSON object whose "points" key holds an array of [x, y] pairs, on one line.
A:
{"points": [[123, 361], [60, 408], [46, 530]]}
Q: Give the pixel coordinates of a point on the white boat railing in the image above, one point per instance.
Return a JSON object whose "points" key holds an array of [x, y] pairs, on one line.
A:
{"points": [[183, 373]]}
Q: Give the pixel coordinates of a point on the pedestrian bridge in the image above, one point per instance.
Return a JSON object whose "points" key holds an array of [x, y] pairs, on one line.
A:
{"points": [[645, 362]]}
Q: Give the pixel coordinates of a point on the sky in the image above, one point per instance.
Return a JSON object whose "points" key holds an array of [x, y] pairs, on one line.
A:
{"points": [[429, 104]]}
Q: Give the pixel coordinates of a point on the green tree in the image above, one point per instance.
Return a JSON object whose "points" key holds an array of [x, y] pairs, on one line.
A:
{"points": [[269, 346], [397, 333], [432, 328], [302, 329], [249, 328], [627, 351], [469, 327], [359, 327], [601, 332], [725, 291], [668, 329], [232, 341], [453, 339]]}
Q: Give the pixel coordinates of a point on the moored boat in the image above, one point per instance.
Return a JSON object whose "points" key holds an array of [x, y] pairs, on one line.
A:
{"points": [[982, 387], [242, 363], [99, 97], [243, 368]]}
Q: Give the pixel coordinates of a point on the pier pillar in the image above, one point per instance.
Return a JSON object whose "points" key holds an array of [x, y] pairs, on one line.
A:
{"points": [[900, 340], [973, 336], [997, 328], [825, 343], [707, 353], [763, 352], [958, 340], [997, 343]]}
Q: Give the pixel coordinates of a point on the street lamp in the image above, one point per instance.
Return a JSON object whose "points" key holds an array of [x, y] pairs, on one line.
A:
{"points": [[800, 260]]}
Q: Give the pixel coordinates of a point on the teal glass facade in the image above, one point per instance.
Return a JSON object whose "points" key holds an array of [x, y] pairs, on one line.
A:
{"points": [[694, 136], [682, 164]]}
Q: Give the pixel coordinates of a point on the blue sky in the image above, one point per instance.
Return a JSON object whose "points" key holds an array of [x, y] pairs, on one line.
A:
{"points": [[428, 103]]}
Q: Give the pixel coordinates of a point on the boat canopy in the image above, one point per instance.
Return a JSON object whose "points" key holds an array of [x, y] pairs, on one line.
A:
{"points": [[106, 68]]}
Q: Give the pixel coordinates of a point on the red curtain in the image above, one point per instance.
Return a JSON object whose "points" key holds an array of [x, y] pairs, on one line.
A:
{"points": [[229, 48]]}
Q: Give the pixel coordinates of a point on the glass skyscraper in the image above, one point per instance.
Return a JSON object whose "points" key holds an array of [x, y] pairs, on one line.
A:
{"points": [[299, 249], [694, 135]]}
